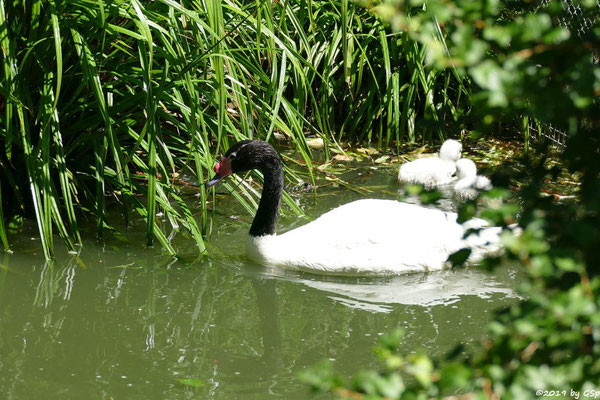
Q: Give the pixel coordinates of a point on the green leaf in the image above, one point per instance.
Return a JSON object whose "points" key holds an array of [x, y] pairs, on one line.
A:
{"points": [[192, 382], [459, 258]]}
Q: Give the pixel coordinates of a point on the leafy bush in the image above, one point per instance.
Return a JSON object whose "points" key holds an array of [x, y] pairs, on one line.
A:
{"points": [[521, 59], [520, 56]]}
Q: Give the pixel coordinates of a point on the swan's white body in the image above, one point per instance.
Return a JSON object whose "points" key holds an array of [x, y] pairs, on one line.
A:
{"points": [[434, 171], [374, 237], [469, 183], [365, 237]]}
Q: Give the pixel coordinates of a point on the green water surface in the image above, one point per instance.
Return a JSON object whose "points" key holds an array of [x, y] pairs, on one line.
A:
{"points": [[122, 321]]}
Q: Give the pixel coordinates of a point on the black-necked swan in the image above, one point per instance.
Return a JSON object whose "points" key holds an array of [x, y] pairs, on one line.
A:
{"points": [[469, 183], [434, 171], [364, 237]]}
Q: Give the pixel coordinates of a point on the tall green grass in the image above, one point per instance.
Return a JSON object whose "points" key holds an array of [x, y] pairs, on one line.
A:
{"points": [[109, 102]]}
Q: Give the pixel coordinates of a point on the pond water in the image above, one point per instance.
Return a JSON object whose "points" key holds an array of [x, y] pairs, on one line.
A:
{"points": [[122, 321]]}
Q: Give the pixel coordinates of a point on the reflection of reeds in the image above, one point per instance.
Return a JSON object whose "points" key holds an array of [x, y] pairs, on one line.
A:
{"points": [[114, 101], [141, 316], [56, 279], [3, 272]]}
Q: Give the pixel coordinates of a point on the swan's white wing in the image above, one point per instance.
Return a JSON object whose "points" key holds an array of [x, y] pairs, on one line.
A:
{"points": [[366, 237]]}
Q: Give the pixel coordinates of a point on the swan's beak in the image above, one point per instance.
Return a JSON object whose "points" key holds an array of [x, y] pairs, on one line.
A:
{"points": [[222, 170], [216, 179]]}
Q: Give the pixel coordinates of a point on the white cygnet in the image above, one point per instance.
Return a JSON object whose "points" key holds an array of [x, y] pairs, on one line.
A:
{"points": [[432, 172], [469, 183]]}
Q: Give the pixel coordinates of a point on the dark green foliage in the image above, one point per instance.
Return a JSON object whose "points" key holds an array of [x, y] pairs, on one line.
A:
{"points": [[522, 60], [520, 57]]}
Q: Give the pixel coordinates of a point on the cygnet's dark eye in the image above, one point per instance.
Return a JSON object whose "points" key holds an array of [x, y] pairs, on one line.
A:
{"points": [[232, 155]]}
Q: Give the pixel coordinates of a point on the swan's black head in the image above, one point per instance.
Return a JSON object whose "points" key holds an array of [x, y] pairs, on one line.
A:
{"points": [[254, 154], [245, 156]]}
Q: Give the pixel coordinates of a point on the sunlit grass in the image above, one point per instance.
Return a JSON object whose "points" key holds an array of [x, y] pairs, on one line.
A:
{"points": [[117, 99]]}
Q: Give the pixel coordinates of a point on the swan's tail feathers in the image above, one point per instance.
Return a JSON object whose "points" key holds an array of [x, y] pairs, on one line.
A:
{"points": [[483, 240]]}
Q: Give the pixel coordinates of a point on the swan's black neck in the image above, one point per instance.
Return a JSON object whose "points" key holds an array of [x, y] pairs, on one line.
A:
{"points": [[265, 221]]}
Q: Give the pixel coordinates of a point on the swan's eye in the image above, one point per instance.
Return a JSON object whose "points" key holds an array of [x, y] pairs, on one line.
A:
{"points": [[232, 155]]}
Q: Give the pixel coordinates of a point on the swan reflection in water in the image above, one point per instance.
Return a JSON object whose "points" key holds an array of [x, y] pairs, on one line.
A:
{"points": [[420, 289]]}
